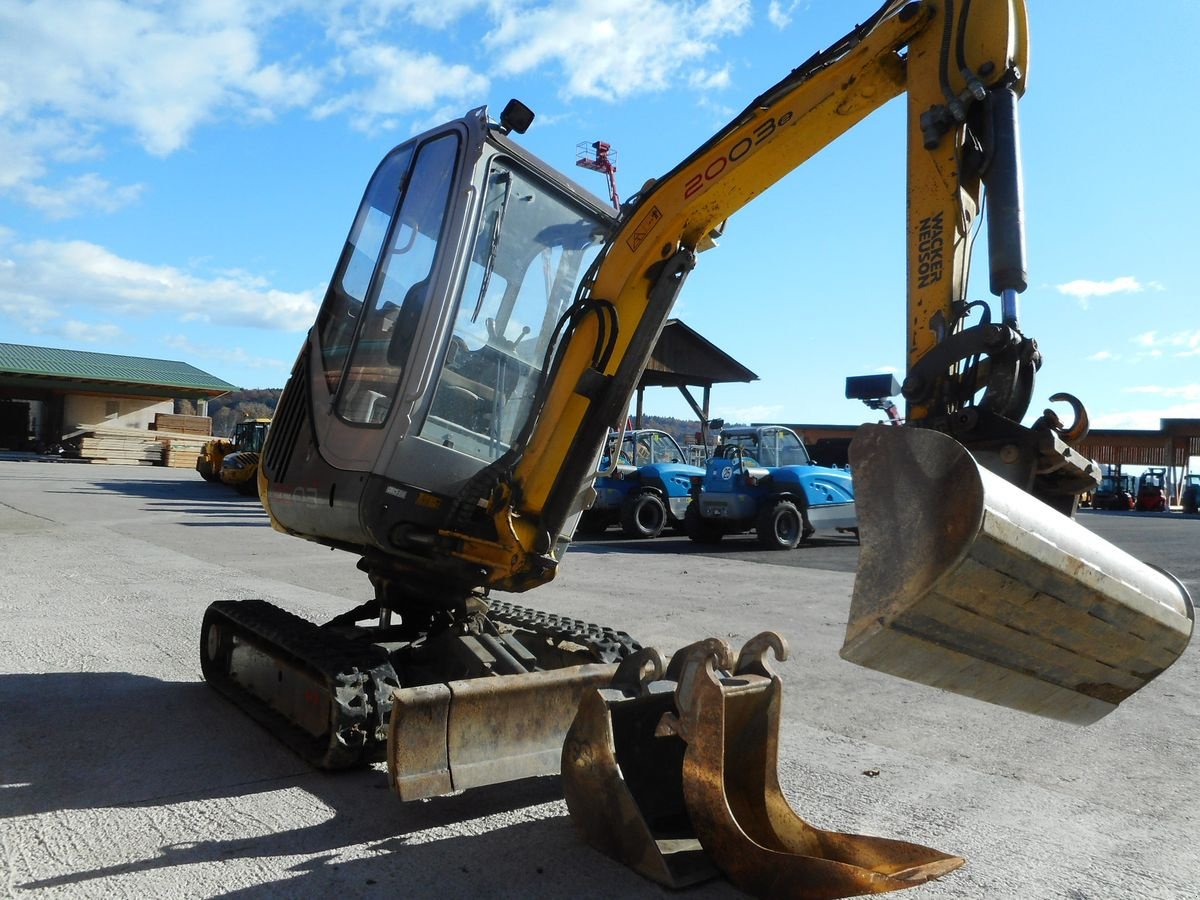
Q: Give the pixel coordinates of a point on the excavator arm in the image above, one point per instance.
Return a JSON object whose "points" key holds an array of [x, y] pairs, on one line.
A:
{"points": [[962, 66], [1000, 544]]}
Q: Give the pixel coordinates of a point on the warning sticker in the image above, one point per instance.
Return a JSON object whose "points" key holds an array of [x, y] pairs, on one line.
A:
{"points": [[647, 225]]}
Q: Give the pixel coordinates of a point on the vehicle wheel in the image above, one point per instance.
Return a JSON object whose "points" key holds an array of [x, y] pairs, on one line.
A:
{"points": [[204, 467], [699, 529], [780, 526], [643, 515], [592, 522], [249, 487]]}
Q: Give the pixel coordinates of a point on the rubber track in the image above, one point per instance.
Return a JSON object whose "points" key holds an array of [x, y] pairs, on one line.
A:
{"points": [[351, 671], [607, 644]]}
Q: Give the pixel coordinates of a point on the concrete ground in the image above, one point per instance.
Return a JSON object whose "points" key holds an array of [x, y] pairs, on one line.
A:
{"points": [[123, 775]]}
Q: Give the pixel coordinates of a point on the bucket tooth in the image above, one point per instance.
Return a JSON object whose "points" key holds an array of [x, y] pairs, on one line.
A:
{"points": [[674, 774], [967, 583]]}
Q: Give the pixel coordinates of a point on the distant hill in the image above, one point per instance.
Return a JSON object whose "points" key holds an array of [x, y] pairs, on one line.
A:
{"points": [[226, 411], [683, 430]]}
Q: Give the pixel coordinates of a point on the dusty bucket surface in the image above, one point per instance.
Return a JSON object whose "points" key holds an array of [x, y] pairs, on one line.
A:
{"points": [[463, 734], [969, 584]]}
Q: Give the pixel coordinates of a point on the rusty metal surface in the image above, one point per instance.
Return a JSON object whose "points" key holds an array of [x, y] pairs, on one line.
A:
{"points": [[731, 787], [969, 584], [674, 774], [479, 731], [622, 783], [417, 755]]}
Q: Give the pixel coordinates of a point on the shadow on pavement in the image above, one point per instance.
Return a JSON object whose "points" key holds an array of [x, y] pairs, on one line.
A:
{"points": [[102, 740], [834, 554], [197, 498], [539, 858]]}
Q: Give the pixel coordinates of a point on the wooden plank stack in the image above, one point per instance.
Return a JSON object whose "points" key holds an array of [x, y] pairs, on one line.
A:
{"points": [[183, 438], [116, 446], [181, 452], [162, 446], [193, 425]]}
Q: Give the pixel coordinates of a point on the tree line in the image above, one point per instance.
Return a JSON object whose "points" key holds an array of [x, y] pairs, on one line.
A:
{"points": [[236, 406]]}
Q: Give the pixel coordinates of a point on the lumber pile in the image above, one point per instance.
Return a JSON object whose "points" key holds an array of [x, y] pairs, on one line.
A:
{"points": [[115, 446], [182, 438], [137, 447], [193, 425], [181, 453]]}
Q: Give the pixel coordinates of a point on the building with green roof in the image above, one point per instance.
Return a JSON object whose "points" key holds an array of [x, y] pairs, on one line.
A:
{"points": [[46, 392]]}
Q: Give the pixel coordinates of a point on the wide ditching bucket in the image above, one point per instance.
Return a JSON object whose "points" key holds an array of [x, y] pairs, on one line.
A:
{"points": [[674, 774], [969, 584]]}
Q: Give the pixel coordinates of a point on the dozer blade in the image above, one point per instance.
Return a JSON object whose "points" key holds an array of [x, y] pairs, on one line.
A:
{"points": [[463, 734], [677, 778], [967, 583]]}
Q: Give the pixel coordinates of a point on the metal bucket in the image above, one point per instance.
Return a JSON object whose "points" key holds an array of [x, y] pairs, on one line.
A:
{"points": [[969, 584], [674, 773]]}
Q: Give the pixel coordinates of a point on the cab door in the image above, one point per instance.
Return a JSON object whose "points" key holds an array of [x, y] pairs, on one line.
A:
{"points": [[397, 262]]}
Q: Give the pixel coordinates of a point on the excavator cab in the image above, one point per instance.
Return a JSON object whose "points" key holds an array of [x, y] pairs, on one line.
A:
{"points": [[431, 342]]}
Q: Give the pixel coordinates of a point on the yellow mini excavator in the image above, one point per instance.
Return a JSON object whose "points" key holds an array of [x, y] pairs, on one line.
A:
{"points": [[485, 327]]}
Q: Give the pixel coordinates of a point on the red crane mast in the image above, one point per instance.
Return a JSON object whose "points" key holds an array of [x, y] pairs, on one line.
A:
{"points": [[599, 156]]}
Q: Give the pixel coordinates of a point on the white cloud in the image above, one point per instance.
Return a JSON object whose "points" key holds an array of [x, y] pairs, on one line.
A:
{"points": [[79, 76], [75, 70], [1102, 356], [709, 81], [762, 413], [1186, 391], [1181, 343], [1148, 419], [82, 193], [44, 280], [1083, 289], [1145, 339], [86, 332], [159, 72], [611, 49], [780, 14], [231, 356], [370, 16], [399, 82]]}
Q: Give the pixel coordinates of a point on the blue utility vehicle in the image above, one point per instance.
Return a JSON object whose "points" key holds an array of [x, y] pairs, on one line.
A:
{"points": [[647, 488], [762, 478]]}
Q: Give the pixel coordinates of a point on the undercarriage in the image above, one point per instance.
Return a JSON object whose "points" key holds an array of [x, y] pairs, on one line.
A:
{"points": [[328, 691]]}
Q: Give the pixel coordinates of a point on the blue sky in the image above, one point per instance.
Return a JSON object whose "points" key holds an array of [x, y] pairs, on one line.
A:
{"points": [[177, 179]]}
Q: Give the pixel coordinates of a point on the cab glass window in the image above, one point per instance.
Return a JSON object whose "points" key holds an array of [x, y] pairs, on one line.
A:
{"points": [[791, 451], [399, 287], [343, 304], [531, 249], [665, 450]]}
